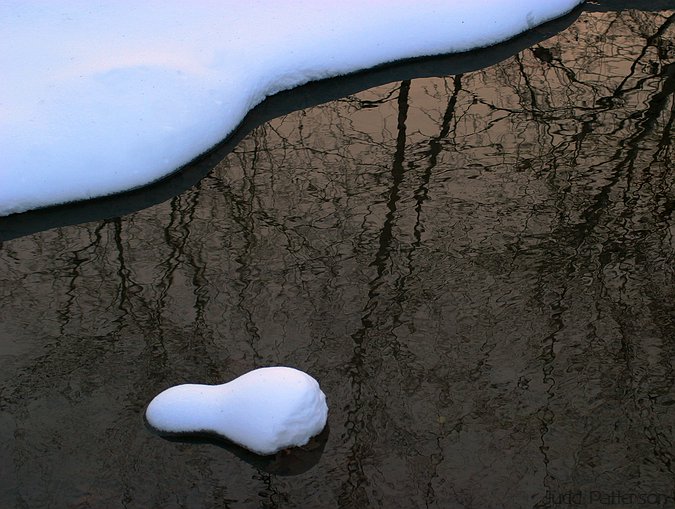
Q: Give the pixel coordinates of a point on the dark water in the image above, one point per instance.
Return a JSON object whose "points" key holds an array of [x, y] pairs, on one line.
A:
{"points": [[478, 269]]}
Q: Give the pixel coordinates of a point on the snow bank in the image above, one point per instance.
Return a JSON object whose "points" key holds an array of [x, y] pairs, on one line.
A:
{"points": [[265, 410], [99, 97]]}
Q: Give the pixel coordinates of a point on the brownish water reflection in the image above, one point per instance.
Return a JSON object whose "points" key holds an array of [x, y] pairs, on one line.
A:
{"points": [[478, 269]]}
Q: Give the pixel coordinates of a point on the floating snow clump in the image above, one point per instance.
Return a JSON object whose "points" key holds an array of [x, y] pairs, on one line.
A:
{"points": [[102, 96], [265, 410]]}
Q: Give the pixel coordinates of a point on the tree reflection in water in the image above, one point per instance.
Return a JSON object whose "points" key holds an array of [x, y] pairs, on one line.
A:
{"points": [[478, 269]]}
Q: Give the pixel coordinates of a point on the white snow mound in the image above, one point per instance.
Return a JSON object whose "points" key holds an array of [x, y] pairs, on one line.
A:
{"points": [[265, 410], [102, 96]]}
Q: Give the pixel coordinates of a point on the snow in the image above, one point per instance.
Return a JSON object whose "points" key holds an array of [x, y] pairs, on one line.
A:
{"points": [[265, 410], [102, 96]]}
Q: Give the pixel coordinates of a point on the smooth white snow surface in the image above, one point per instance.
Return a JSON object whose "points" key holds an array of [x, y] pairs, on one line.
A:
{"points": [[265, 410], [98, 96]]}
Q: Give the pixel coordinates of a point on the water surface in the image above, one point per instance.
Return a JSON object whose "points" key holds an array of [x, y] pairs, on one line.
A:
{"points": [[477, 268]]}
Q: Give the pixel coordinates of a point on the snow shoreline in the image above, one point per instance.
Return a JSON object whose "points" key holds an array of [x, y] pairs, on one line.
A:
{"points": [[42, 166], [304, 96]]}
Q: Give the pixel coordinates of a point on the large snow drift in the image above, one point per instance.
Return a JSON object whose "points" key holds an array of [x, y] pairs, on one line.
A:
{"points": [[98, 96]]}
